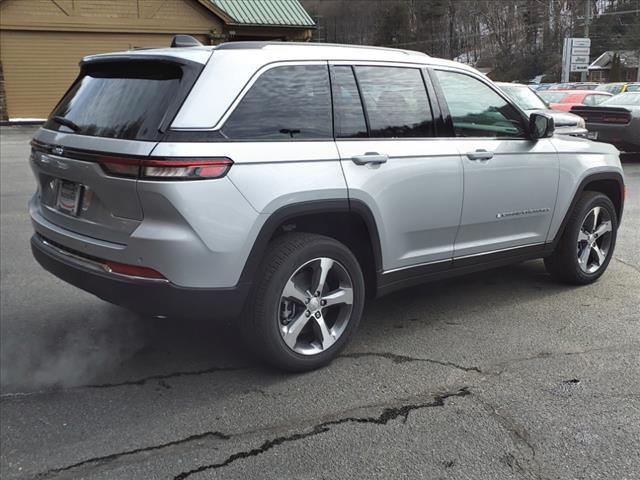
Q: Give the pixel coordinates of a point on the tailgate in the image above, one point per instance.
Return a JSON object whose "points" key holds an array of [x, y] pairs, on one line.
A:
{"points": [[112, 116], [75, 193]]}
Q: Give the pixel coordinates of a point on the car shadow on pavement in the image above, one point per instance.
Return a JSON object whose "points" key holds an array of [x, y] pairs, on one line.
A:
{"points": [[115, 347]]}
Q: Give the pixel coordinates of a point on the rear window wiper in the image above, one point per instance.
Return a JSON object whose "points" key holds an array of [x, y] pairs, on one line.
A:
{"points": [[66, 122]]}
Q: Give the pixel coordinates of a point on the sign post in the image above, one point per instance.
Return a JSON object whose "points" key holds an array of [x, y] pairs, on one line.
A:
{"points": [[575, 57]]}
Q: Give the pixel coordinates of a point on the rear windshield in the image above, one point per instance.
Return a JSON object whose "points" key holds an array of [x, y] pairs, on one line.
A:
{"points": [[119, 100], [625, 99]]}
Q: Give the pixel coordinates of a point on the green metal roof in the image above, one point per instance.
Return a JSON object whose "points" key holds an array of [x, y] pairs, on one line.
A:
{"points": [[287, 13]]}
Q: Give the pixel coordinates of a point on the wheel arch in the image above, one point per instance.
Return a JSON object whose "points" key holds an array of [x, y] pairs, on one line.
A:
{"points": [[348, 221], [610, 184]]}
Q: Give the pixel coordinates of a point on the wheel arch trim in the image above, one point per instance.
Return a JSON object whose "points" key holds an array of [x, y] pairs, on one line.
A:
{"points": [[582, 186], [287, 212]]}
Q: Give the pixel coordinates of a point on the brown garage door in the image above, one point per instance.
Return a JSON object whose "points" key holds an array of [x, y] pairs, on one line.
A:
{"points": [[40, 66]]}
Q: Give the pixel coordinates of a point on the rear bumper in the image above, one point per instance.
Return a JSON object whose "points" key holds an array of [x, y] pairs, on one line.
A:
{"points": [[623, 137], [141, 295]]}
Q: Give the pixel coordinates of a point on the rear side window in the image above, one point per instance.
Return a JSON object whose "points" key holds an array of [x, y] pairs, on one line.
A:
{"points": [[594, 99], [119, 100], [396, 101], [476, 109], [285, 102], [348, 113]]}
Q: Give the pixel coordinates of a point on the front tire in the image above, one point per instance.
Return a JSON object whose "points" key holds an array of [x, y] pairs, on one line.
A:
{"points": [[307, 303], [586, 246]]}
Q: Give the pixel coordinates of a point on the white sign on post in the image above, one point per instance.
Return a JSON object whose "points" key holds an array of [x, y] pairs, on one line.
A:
{"points": [[575, 56], [580, 50], [581, 42]]}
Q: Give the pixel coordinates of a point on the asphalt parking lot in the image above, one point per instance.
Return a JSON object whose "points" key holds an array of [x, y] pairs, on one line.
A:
{"points": [[503, 374]]}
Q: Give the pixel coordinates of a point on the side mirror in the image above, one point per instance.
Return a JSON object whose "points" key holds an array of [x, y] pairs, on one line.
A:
{"points": [[541, 126]]}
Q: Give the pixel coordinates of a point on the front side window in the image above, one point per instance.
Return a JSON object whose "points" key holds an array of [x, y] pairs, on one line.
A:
{"points": [[396, 102], [477, 110], [285, 102]]}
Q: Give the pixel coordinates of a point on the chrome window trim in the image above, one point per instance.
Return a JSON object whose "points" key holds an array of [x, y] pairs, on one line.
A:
{"points": [[284, 63]]}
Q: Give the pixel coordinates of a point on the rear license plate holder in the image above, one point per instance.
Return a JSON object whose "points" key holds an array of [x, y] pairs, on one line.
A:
{"points": [[68, 197]]}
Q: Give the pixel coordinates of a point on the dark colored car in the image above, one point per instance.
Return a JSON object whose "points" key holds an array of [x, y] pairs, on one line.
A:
{"points": [[616, 121]]}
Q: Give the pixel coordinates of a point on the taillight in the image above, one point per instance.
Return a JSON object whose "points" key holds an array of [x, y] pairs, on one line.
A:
{"points": [[186, 169], [147, 168], [616, 119], [166, 169], [121, 166]]}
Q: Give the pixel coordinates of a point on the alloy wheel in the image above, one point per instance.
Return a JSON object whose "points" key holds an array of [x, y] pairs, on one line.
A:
{"points": [[594, 240], [315, 306]]}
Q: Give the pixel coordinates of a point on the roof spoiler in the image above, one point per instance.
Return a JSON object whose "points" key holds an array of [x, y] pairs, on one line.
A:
{"points": [[180, 41]]}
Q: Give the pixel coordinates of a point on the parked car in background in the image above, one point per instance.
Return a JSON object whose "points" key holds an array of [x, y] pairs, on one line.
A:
{"points": [[585, 86], [530, 102], [613, 88], [538, 87], [563, 100], [616, 121], [575, 86]]}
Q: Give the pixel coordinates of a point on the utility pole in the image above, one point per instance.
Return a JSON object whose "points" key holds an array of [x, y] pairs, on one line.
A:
{"points": [[587, 21]]}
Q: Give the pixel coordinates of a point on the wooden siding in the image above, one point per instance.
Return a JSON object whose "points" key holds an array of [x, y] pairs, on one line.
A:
{"points": [[42, 41], [158, 16], [40, 66]]}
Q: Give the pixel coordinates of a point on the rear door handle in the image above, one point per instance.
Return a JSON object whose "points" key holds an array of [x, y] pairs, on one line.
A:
{"points": [[480, 155], [370, 157]]}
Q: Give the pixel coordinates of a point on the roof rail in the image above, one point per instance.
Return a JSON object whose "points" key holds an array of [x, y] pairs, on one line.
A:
{"points": [[179, 41], [262, 44]]}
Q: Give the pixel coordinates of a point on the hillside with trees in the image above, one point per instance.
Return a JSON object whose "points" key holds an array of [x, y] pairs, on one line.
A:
{"points": [[513, 39]]}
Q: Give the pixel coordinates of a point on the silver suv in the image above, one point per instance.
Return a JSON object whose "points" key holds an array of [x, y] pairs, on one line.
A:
{"points": [[281, 184]]}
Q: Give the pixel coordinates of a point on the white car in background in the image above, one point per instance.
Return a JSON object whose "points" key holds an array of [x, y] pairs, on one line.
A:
{"points": [[530, 102]]}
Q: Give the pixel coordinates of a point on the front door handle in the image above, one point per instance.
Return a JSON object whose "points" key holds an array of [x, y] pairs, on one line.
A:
{"points": [[480, 155], [370, 157]]}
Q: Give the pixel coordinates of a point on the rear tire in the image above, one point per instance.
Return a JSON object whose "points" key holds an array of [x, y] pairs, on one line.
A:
{"points": [[292, 327], [586, 246]]}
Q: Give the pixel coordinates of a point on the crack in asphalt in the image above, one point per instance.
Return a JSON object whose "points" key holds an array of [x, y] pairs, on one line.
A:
{"points": [[115, 456], [628, 264], [395, 358], [520, 438], [134, 382], [144, 380], [388, 414], [503, 365]]}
